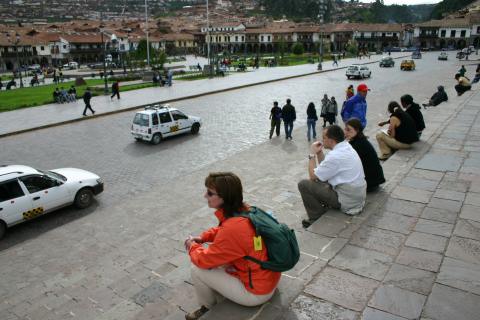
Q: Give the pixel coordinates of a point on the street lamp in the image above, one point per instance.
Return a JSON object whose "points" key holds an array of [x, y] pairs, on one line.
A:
{"points": [[210, 69], [104, 45], [322, 8], [15, 42], [146, 31]]}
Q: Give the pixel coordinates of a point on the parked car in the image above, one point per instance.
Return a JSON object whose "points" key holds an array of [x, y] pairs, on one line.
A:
{"points": [[33, 67], [443, 56], [71, 65], [157, 122], [407, 65], [26, 193], [387, 62], [417, 55], [359, 72]]}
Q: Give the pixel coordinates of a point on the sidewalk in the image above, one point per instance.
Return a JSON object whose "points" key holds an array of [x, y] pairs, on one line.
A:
{"points": [[414, 253], [55, 114]]}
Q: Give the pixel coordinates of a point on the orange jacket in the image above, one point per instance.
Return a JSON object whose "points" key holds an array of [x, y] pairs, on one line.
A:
{"points": [[230, 242]]}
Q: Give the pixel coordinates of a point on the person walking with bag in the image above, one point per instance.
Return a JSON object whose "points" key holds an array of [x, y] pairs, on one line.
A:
{"points": [[275, 119], [311, 121]]}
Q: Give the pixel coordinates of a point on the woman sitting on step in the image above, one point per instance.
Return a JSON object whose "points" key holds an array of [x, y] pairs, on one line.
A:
{"points": [[219, 270]]}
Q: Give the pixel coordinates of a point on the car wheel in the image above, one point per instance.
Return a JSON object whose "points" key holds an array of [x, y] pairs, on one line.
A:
{"points": [[3, 229], [195, 128], [348, 77], [83, 198], [156, 139], [369, 75], [138, 139]]}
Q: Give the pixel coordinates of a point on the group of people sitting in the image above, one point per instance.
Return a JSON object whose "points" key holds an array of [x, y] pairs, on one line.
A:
{"points": [[63, 96], [338, 179], [341, 178]]}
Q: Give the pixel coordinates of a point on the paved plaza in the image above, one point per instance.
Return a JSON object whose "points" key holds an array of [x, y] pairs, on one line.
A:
{"points": [[412, 254]]}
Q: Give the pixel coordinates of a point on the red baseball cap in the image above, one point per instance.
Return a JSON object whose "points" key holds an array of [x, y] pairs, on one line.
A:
{"points": [[362, 87]]}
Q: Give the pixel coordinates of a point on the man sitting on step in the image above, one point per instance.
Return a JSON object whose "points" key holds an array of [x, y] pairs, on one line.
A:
{"points": [[337, 181]]}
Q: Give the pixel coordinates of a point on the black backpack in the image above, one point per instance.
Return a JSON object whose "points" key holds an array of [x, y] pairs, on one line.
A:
{"points": [[282, 246]]}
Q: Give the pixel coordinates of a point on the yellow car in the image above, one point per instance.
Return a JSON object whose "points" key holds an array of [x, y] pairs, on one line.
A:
{"points": [[407, 65]]}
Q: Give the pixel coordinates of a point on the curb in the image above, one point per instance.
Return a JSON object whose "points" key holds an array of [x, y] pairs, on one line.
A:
{"points": [[108, 113]]}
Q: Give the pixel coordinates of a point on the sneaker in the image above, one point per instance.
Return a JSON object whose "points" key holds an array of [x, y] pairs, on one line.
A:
{"points": [[93, 112], [196, 314]]}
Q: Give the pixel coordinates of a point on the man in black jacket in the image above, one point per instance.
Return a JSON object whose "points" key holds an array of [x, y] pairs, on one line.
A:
{"points": [[414, 110], [87, 96], [289, 116]]}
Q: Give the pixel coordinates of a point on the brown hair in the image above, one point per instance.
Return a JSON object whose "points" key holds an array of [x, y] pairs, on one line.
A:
{"points": [[228, 187], [357, 126]]}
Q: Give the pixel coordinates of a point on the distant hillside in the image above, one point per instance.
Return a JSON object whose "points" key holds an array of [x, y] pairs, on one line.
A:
{"points": [[449, 6]]}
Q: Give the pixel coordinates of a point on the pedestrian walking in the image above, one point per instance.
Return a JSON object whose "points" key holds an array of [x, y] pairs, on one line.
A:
{"points": [[169, 77], [323, 111], [462, 71], [289, 115], [311, 121], [356, 106], [275, 119], [335, 61], [115, 90], [87, 96], [332, 111]]}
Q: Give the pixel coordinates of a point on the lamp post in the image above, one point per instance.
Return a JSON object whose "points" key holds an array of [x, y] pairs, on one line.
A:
{"points": [[146, 31], [321, 12], [208, 44], [15, 43], [104, 45]]}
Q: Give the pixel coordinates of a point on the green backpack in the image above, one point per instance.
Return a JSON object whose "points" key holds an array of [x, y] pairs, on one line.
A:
{"points": [[282, 246]]}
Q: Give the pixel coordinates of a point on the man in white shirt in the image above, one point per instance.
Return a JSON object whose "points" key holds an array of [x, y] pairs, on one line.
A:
{"points": [[337, 181]]}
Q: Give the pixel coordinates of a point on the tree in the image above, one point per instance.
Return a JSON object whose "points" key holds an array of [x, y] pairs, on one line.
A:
{"points": [[297, 48], [141, 52]]}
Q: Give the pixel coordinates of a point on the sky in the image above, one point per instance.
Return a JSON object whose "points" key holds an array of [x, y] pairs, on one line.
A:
{"points": [[407, 2]]}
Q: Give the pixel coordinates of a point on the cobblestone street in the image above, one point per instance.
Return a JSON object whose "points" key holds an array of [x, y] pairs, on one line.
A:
{"points": [[413, 252]]}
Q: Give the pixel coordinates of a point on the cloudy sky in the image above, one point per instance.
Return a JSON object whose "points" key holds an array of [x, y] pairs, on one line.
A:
{"points": [[407, 2]]}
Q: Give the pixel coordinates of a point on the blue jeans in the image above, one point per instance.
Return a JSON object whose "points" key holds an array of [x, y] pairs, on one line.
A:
{"points": [[288, 129], [311, 128]]}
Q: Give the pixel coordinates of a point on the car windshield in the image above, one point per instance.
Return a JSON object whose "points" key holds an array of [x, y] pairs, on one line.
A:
{"points": [[54, 175], [352, 68], [141, 119]]}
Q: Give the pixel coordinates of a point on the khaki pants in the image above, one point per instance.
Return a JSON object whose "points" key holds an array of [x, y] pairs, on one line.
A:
{"points": [[387, 144], [213, 285], [317, 197]]}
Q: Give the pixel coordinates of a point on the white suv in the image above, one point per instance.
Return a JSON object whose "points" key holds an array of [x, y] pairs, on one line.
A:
{"points": [[26, 193], [360, 72], [157, 122]]}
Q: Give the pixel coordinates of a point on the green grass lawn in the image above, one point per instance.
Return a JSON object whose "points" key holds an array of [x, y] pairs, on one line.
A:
{"points": [[34, 96]]}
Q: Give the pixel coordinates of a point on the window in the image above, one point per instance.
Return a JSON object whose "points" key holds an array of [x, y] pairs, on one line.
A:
{"points": [[261, 38], [236, 38], [141, 119], [383, 34], [64, 46], [177, 115], [37, 183], [42, 48], [10, 190], [165, 117], [443, 33], [268, 39], [452, 33], [478, 29], [154, 119], [463, 33]]}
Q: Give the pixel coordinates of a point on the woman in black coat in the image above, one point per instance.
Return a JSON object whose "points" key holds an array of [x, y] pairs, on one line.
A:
{"points": [[371, 165]]}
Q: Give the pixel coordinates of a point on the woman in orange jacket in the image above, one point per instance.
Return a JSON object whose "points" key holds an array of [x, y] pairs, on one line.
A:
{"points": [[220, 267]]}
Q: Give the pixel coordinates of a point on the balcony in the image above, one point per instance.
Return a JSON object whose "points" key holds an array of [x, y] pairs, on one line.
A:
{"points": [[86, 50]]}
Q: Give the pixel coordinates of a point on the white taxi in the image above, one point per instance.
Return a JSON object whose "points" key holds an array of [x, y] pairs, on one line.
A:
{"points": [[26, 193], [360, 72], [157, 122]]}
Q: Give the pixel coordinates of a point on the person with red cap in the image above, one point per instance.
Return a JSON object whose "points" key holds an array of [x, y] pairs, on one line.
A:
{"points": [[356, 106]]}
